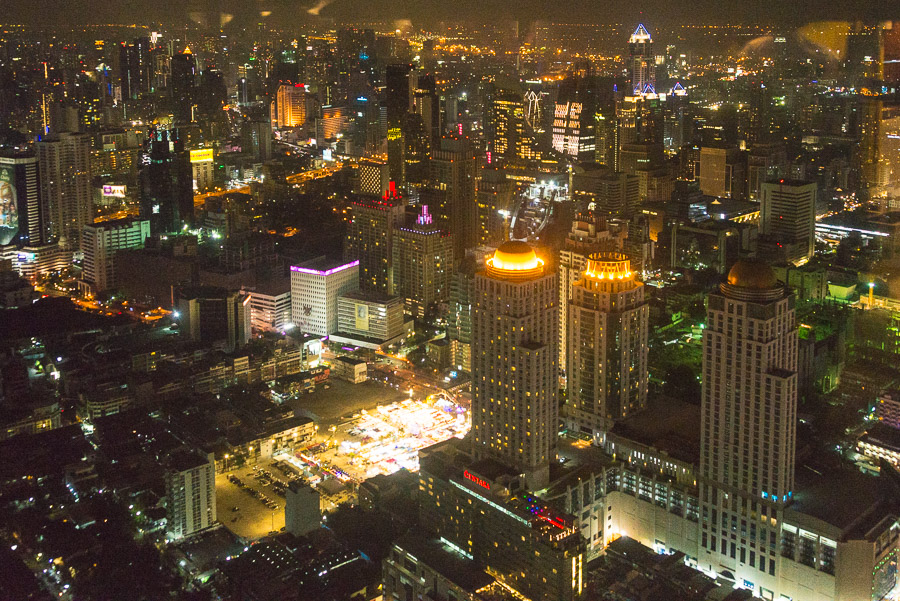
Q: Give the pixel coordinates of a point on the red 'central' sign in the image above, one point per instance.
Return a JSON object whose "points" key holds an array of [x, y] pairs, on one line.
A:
{"points": [[480, 482]]}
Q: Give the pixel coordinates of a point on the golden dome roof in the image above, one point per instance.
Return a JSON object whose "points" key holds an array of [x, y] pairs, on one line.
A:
{"points": [[752, 273], [515, 256]]}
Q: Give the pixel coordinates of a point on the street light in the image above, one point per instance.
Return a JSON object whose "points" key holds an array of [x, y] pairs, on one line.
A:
{"points": [[871, 294], [225, 467]]}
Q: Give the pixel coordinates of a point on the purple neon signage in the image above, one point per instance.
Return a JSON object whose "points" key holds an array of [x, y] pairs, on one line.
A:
{"points": [[327, 271]]}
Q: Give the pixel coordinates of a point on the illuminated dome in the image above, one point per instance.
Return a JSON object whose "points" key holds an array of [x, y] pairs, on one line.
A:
{"points": [[751, 273], [515, 259], [752, 280]]}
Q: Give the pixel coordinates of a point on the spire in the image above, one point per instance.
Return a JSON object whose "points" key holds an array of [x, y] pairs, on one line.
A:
{"points": [[641, 34]]}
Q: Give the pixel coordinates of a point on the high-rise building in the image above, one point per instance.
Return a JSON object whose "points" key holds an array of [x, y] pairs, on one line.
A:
{"points": [[315, 288], [134, 68], [588, 235], [574, 128], [788, 220], [607, 345], [190, 494], [214, 316], [290, 103], [99, 244], [203, 166], [26, 220], [453, 172], [370, 239], [515, 375], [748, 421], [721, 172], [423, 264], [398, 101], [166, 183], [509, 134], [183, 79], [641, 62], [459, 315], [374, 178], [270, 306], [617, 195], [495, 199], [65, 176]]}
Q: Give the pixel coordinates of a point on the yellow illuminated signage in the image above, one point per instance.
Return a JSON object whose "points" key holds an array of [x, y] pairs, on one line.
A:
{"points": [[203, 155], [393, 133]]}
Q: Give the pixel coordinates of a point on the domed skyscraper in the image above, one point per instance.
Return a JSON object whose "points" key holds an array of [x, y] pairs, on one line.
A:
{"points": [[515, 376]]}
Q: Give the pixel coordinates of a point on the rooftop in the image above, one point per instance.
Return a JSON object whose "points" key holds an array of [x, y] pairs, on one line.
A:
{"points": [[448, 563]]}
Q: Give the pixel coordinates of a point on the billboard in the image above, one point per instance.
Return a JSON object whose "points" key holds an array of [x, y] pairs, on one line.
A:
{"points": [[362, 317], [114, 191], [9, 207], [203, 155]]}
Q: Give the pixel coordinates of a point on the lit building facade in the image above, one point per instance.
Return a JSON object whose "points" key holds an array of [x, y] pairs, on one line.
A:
{"points": [[370, 239], [190, 494], [607, 345], [65, 185], [423, 264], [99, 244], [515, 351], [788, 219], [315, 288], [641, 62]]}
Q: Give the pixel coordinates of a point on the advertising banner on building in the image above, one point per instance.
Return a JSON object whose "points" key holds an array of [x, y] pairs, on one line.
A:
{"points": [[9, 208]]}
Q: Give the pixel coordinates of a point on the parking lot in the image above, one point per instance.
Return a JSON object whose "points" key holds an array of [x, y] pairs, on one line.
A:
{"points": [[248, 489]]}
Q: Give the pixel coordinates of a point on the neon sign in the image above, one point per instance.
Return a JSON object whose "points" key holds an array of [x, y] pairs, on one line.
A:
{"points": [[482, 483]]}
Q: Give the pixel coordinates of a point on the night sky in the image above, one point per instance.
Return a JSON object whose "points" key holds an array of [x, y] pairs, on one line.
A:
{"points": [[427, 12]]}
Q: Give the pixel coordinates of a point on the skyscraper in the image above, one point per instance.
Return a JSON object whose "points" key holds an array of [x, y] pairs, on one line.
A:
{"points": [[748, 422], [788, 220], [514, 363], [641, 62], [398, 98], [99, 243], [184, 72], [423, 263], [453, 172], [190, 494], [588, 235], [166, 183], [370, 239], [65, 175], [315, 288], [19, 186], [290, 102], [134, 68], [495, 198], [607, 345]]}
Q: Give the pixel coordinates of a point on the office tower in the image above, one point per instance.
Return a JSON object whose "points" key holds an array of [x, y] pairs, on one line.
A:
{"points": [[508, 132], [190, 494], [495, 199], [641, 62], [398, 98], [181, 84], [134, 68], [607, 345], [256, 139], [748, 421], [65, 176], [270, 307], [374, 178], [213, 316], [574, 130], [99, 244], [721, 172], [459, 317], [26, 217], [203, 168], [588, 235], [617, 195], [370, 239], [452, 170], [166, 183], [369, 318], [290, 103], [788, 219], [426, 104], [315, 288], [515, 351], [302, 511], [423, 264]]}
